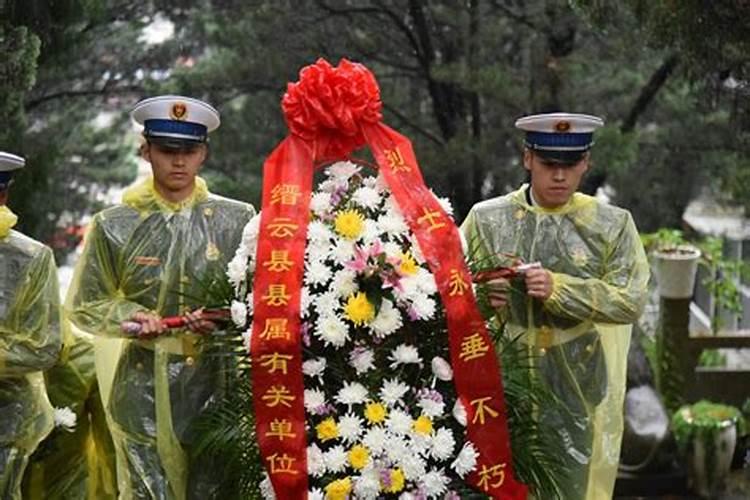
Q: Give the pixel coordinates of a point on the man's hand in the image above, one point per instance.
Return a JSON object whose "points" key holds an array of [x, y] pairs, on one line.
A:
{"points": [[151, 326], [538, 283], [497, 292], [196, 324]]}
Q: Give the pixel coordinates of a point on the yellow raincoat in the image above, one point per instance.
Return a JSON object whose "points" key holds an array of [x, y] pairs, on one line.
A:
{"points": [[579, 336], [30, 342], [77, 464], [150, 254]]}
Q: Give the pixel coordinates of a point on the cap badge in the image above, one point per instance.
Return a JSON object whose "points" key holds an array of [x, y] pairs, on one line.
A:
{"points": [[178, 111], [562, 126]]}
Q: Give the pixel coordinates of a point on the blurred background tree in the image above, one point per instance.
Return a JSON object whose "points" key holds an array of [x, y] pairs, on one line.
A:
{"points": [[670, 79]]}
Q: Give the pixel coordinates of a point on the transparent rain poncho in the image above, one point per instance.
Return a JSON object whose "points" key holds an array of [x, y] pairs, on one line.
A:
{"points": [[579, 337], [30, 342], [77, 463], [151, 255]]}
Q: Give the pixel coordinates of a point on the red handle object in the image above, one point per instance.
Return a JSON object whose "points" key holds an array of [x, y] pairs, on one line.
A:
{"points": [[173, 322]]}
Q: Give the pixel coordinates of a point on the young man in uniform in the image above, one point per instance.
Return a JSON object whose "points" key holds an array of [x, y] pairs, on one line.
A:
{"points": [[30, 339], [145, 259], [575, 309]]}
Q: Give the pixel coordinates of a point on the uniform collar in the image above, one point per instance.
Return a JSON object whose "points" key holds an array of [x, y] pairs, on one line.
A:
{"points": [[7, 220], [144, 197], [524, 197]]}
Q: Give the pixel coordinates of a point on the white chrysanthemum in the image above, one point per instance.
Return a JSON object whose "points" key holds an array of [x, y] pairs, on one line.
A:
{"points": [[332, 330], [250, 303], [314, 399], [392, 250], [390, 204], [431, 407], [314, 367], [305, 301], [247, 338], [266, 488], [442, 369], [367, 197], [65, 417], [344, 283], [426, 281], [342, 170], [393, 391], [445, 204], [237, 269], [466, 461], [387, 321], [316, 465], [459, 412], [318, 232], [250, 233], [336, 459], [409, 290], [362, 359], [351, 393], [328, 186], [342, 251], [434, 483], [317, 251], [367, 485], [326, 303], [350, 428], [407, 495], [317, 273], [416, 250], [424, 307], [371, 182], [399, 422], [320, 203], [443, 444], [316, 494], [404, 354], [239, 313], [396, 449], [413, 465], [370, 232], [375, 439], [392, 224]]}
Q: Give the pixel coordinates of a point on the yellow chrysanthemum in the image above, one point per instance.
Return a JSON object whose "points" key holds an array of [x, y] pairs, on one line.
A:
{"points": [[423, 425], [327, 429], [397, 482], [408, 265], [359, 456], [375, 413], [349, 224], [339, 489], [358, 309]]}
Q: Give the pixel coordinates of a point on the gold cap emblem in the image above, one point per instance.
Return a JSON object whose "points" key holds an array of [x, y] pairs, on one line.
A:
{"points": [[562, 126], [178, 111]]}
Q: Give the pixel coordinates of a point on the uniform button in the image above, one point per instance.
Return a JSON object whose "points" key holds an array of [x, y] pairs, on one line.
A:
{"points": [[542, 351], [139, 366], [190, 361]]}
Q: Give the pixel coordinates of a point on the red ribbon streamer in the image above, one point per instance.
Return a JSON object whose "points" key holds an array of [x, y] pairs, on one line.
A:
{"points": [[331, 112]]}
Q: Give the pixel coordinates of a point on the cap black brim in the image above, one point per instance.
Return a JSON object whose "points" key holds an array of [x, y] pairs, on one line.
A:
{"points": [[172, 143], [564, 157]]}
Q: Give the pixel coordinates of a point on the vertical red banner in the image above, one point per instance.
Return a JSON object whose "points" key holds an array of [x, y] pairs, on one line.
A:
{"points": [[278, 386]]}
